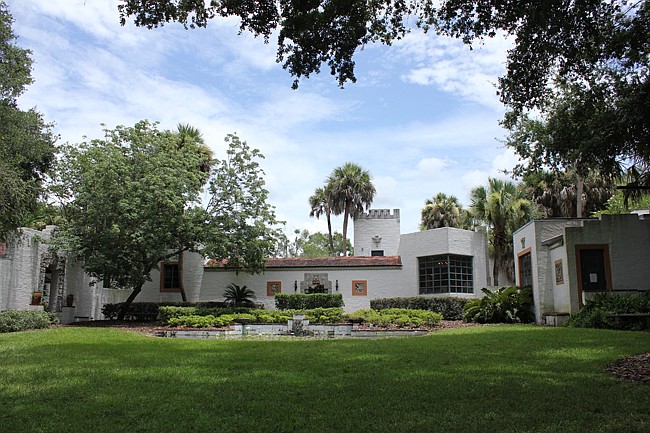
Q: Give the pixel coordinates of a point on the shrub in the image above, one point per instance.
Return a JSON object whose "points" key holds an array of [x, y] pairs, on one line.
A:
{"points": [[323, 315], [200, 321], [505, 305], [597, 313], [450, 308], [301, 301], [14, 321], [167, 312], [239, 296], [402, 317], [255, 315], [148, 311]]}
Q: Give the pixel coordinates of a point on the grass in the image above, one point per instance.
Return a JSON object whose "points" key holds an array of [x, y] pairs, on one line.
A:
{"points": [[483, 379]]}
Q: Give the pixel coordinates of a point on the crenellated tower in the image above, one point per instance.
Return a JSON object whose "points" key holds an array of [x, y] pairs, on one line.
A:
{"points": [[377, 233]]}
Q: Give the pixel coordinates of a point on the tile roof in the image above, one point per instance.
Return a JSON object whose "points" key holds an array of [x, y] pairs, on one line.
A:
{"points": [[322, 262]]}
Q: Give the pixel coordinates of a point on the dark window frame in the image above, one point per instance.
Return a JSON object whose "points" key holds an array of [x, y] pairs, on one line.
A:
{"points": [[525, 274], [445, 273], [169, 277]]}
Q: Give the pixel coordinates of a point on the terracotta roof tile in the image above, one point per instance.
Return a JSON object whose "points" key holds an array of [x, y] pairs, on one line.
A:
{"points": [[323, 262]]}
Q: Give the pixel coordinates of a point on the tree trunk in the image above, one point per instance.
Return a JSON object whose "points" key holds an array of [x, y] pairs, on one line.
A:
{"points": [[329, 232], [128, 302], [180, 277], [580, 205], [345, 232], [497, 257]]}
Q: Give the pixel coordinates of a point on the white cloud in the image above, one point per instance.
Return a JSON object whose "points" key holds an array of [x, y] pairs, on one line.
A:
{"points": [[387, 192], [453, 67], [504, 162], [416, 139], [432, 168]]}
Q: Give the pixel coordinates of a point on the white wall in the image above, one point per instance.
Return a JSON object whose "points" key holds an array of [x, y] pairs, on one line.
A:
{"points": [[192, 278], [561, 298], [377, 223], [20, 270], [382, 282], [533, 236], [444, 240]]}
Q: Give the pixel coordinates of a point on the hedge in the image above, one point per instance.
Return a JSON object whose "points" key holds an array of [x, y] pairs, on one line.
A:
{"points": [[148, 311], [301, 301], [402, 317], [450, 308], [191, 316], [14, 321]]}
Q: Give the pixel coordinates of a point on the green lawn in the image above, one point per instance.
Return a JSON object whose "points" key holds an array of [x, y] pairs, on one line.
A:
{"points": [[483, 379]]}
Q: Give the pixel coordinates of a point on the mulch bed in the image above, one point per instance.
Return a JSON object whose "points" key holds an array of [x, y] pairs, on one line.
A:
{"points": [[634, 368]]}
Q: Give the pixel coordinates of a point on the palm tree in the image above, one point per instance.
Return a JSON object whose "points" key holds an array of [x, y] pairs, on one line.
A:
{"points": [[441, 211], [188, 135], [320, 204], [503, 209], [351, 191], [556, 194]]}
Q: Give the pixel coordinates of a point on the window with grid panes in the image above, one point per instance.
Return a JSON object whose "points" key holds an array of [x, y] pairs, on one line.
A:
{"points": [[446, 273]]}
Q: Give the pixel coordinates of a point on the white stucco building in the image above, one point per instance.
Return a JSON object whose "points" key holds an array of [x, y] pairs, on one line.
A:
{"points": [[567, 260], [439, 262]]}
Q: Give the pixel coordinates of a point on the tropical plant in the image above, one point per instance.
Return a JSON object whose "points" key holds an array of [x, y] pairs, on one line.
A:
{"points": [[601, 312], [556, 194], [239, 296], [320, 203], [441, 211], [351, 191], [503, 209], [505, 305]]}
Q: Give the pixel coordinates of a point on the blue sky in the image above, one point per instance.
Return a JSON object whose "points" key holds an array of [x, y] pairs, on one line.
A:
{"points": [[422, 117]]}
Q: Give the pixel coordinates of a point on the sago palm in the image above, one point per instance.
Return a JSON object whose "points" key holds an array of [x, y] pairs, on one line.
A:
{"points": [[238, 295]]}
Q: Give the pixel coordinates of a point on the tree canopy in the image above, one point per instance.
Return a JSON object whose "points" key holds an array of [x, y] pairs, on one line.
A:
{"points": [[127, 200], [26, 141], [316, 244], [320, 203], [132, 200], [240, 226], [593, 55]]}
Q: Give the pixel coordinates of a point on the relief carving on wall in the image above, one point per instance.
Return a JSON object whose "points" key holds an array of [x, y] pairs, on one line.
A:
{"points": [[316, 283]]}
